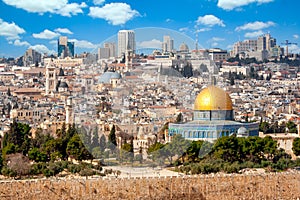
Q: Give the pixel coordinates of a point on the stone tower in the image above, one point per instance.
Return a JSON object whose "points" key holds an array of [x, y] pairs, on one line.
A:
{"points": [[50, 78], [69, 111]]}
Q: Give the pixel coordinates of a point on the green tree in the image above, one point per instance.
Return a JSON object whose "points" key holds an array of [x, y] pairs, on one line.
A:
{"points": [[226, 148], [264, 127], [194, 150], [102, 143], [61, 133], [177, 147], [36, 155], [95, 139], [53, 149], [296, 146], [17, 134], [291, 126], [179, 118], [270, 147], [76, 149], [231, 80], [126, 152], [112, 138]]}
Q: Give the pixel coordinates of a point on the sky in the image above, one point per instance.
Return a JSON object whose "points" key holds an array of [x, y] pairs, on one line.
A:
{"points": [[37, 24]]}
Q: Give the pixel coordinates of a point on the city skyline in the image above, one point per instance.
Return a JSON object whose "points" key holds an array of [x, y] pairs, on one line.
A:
{"points": [[218, 23]]}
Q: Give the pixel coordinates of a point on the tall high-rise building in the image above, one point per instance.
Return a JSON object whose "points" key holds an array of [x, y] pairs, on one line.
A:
{"points": [[126, 41], [65, 48], [261, 43], [168, 44]]}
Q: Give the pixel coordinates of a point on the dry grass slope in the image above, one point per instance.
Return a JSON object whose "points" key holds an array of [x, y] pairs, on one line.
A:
{"points": [[202, 187]]}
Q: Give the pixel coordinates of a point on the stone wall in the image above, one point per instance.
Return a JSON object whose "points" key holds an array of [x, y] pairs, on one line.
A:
{"points": [[203, 187]]}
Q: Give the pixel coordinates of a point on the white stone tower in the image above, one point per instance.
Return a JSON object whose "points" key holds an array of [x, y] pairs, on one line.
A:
{"points": [[69, 111], [50, 78]]}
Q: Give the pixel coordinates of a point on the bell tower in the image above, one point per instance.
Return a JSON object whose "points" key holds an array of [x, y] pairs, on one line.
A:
{"points": [[50, 78]]}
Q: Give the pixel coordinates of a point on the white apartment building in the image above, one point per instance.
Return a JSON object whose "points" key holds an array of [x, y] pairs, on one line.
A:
{"points": [[168, 44], [244, 46], [112, 48], [126, 41]]}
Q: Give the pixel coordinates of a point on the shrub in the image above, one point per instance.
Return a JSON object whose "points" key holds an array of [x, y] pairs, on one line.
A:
{"points": [[231, 167], [87, 172]]}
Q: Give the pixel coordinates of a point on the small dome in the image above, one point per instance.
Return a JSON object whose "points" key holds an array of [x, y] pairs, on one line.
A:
{"points": [[63, 85], [213, 98], [242, 131], [106, 76], [184, 47]]}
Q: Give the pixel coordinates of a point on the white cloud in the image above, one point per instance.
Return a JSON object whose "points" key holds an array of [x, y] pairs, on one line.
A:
{"points": [[61, 7], [215, 44], [10, 31], [98, 2], [296, 36], [114, 13], [184, 29], [232, 4], [21, 43], [230, 46], [83, 44], [203, 30], [294, 48], [42, 49], [210, 20], [255, 26], [63, 30], [71, 9], [53, 42], [217, 39], [254, 34], [154, 43], [46, 34]]}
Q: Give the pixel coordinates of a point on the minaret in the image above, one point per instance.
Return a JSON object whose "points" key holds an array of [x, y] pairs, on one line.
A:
{"points": [[69, 111], [50, 78]]}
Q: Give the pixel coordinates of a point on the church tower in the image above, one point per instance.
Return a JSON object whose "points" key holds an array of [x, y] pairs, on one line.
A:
{"points": [[50, 78]]}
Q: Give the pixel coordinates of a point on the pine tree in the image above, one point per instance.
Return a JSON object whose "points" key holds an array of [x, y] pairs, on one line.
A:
{"points": [[112, 137], [102, 143]]}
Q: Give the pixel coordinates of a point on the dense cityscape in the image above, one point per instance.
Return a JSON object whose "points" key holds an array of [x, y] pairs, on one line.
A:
{"points": [[131, 120]]}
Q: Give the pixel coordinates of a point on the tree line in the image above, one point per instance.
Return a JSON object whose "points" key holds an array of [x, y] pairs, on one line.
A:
{"points": [[228, 154]]}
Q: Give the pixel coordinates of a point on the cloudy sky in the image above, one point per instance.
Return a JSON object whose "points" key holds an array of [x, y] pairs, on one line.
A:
{"points": [[218, 23]]}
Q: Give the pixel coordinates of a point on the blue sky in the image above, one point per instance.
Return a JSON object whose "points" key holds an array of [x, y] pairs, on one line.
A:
{"points": [[218, 23]]}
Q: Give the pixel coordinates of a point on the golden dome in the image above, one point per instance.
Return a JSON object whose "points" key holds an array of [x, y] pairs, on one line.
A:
{"points": [[213, 98]]}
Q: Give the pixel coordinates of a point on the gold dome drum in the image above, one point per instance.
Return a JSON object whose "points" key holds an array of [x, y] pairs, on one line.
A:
{"points": [[213, 98]]}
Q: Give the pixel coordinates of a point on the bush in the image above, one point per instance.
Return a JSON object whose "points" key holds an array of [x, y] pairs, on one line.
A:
{"points": [[74, 168], [8, 172], [37, 168], [47, 172], [87, 172], [231, 167]]}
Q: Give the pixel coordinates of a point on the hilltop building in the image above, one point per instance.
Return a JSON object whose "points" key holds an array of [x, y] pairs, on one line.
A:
{"points": [[213, 118]]}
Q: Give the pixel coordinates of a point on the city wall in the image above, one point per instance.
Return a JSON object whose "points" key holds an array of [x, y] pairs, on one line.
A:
{"points": [[203, 187]]}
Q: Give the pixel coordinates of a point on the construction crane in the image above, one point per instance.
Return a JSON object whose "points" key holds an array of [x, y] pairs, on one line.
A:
{"points": [[287, 43]]}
